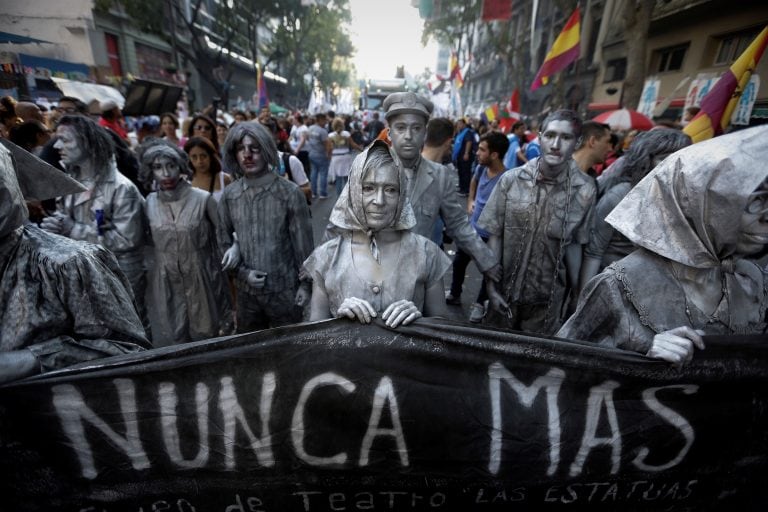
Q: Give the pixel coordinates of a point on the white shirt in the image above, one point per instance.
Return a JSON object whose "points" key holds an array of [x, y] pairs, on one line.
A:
{"points": [[297, 169]]}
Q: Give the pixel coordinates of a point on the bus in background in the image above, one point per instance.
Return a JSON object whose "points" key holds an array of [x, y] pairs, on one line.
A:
{"points": [[375, 90]]}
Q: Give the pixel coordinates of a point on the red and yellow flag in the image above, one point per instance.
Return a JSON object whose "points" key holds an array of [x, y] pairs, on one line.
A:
{"points": [[492, 112], [564, 50], [455, 70], [719, 103]]}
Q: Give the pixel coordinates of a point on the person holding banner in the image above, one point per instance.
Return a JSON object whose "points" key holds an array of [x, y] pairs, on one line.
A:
{"points": [[61, 301], [700, 220], [376, 266]]}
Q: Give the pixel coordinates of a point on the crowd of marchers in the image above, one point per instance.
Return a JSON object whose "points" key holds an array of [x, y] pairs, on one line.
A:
{"points": [[643, 242]]}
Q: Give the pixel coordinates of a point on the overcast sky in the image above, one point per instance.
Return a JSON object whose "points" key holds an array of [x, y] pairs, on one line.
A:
{"points": [[387, 35]]}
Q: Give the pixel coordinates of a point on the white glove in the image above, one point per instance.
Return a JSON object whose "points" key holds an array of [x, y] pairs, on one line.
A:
{"points": [[58, 224], [400, 312], [676, 345], [354, 308], [231, 257]]}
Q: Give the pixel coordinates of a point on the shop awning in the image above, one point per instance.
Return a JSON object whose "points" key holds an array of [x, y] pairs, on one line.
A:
{"points": [[44, 67], [89, 92], [6, 38]]}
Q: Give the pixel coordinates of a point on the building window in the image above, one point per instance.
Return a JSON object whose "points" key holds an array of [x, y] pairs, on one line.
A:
{"points": [[732, 45], [671, 58], [615, 70], [113, 54]]}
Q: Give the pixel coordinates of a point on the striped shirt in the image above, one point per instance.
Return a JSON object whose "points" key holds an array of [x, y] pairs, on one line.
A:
{"points": [[273, 229]]}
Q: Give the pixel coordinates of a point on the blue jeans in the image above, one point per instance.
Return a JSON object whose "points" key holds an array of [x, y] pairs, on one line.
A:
{"points": [[340, 182], [319, 173]]}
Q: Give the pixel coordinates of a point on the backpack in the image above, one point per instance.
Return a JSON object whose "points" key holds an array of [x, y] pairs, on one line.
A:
{"points": [[287, 166]]}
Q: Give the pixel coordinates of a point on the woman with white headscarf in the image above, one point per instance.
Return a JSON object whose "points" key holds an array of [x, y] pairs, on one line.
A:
{"points": [[699, 219], [376, 266]]}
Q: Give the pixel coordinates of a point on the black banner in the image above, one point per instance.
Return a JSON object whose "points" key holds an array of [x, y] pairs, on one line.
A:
{"points": [[336, 416]]}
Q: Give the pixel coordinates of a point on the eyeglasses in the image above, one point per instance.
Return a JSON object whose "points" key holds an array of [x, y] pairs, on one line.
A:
{"points": [[202, 128], [66, 110]]}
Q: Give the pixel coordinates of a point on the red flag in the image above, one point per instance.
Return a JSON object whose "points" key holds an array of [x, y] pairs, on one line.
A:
{"points": [[719, 103], [564, 50], [510, 114], [513, 107], [496, 10]]}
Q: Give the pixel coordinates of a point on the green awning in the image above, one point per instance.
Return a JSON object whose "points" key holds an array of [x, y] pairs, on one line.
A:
{"points": [[277, 109]]}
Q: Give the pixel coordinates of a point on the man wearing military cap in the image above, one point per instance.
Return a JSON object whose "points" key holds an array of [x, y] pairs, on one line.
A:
{"points": [[431, 187]]}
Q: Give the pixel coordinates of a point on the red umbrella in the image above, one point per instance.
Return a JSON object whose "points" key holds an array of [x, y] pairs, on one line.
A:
{"points": [[625, 119]]}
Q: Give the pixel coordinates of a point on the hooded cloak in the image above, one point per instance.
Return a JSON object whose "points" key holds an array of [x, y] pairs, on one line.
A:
{"points": [[686, 212], [65, 301], [689, 208], [13, 210]]}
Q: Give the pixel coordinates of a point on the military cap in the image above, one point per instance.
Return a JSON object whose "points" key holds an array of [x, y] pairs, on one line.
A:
{"points": [[407, 103]]}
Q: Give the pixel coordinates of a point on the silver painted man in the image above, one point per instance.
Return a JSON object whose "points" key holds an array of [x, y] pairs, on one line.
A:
{"points": [[111, 211], [431, 187], [538, 217], [274, 234]]}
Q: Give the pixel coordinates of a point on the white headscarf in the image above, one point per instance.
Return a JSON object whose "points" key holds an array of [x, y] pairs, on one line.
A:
{"points": [[689, 208], [349, 213]]}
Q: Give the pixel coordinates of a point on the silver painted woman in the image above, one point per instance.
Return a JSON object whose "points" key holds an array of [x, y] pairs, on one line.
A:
{"points": [[376, 266], [700, 220], [186, 283]]}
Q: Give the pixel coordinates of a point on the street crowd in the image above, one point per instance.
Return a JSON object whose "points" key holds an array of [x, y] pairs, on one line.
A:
{"points": [[638, 241]]}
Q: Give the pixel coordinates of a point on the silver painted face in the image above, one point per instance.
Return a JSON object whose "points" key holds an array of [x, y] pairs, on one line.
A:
{"points": [[381, 194], [407, 133], [249, 157], [558, 142], [166, 171], [70, 151], [753, 230]]}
